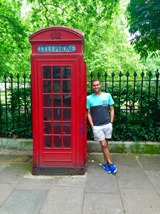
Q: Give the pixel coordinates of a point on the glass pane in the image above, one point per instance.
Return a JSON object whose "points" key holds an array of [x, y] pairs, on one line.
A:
{"points": [[57, 128], [48, 128], [66, 86], [57, 113], [47, 100], [66, 114], [57, 142], [47, 141], [56, 72], [66, 128], [47, 86], [47, 114], [46, 72], [67, 100], [56, 86], [67, 141], [66, 72], [57, 100]]}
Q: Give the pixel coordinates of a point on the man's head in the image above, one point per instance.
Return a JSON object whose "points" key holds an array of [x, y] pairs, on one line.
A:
{"points": [[96, 86]]}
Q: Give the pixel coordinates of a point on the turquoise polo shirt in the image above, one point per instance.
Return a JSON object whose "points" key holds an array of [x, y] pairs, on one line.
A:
{"points": [[99, 108]]}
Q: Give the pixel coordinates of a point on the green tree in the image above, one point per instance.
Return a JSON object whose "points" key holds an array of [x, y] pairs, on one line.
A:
{"points": [[91, 17], [14, 51], [151, 63], [107, 46], [116, 54], [144, 21]]}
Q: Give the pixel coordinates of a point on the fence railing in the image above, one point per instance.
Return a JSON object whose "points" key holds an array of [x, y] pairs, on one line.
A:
{"points": [[15, 106], [137, 104], [136, 97]]}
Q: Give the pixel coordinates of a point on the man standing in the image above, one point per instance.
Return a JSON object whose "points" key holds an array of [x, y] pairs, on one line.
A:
{"points": [[100, 113]]}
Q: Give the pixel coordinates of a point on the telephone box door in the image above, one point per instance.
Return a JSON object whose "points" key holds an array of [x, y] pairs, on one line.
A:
{"points": [[57, 101]]}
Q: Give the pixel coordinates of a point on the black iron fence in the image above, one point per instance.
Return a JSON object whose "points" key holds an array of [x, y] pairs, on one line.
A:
{"points": [[137, 104], [15, 106], [136, 97]]}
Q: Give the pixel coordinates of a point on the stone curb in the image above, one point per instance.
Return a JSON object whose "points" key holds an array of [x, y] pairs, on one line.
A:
{"points": [[16, 144], [92, 146], [126, 147]]}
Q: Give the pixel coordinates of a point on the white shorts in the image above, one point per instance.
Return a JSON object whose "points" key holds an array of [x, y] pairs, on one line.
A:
{"points": [[102, 132]]}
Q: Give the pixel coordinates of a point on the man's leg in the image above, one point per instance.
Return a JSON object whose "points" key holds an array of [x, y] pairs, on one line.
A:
{"points": [[108, 165], [105, 150]]}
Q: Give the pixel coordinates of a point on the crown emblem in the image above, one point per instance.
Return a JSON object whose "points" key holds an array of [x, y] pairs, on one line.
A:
{"points": [[55, 35]]}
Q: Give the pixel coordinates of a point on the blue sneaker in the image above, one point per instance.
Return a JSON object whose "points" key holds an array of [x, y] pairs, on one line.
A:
{"points": [[112, 168], [107, 168]]}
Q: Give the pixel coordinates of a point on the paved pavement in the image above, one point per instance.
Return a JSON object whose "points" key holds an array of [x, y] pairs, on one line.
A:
{"points": [[135, 189]]}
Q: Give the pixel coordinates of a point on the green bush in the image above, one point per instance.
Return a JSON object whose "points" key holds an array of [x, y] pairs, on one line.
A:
{"points": [[15, 114]]}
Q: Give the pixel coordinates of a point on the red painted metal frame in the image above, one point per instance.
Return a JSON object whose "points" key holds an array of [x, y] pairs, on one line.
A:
{"points": [[59, 161]]}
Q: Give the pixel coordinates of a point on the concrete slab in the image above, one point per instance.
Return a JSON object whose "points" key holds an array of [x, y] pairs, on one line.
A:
{"points": [[133, 177], [3, 166], [101, 203], [125, 160], [154, 177], [5, 191], [24, 202], [98, 180], [60, 200], [150, 162], [34, 184], [70, 181], [95, 157], [140, 201], [135, 189], [158, 191], [14, 172]]}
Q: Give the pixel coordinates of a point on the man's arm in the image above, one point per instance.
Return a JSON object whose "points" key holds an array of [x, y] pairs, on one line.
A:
{"points": [[90, 118], [111, 114]]}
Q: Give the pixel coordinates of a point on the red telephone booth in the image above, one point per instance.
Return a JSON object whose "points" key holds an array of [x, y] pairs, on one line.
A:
{"points": [[58, 76]]}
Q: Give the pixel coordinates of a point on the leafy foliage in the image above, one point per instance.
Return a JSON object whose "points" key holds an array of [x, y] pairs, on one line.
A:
{"points": [[14, 52], [15, 115], [107, 46], [144, 21], [15, 106], [151, 63]]}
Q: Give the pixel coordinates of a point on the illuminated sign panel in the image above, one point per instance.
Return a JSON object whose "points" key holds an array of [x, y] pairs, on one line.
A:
{"points": [[57, 48]]}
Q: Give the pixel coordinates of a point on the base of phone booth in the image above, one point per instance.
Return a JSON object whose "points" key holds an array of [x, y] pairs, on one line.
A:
{"points": [[44, 170]]}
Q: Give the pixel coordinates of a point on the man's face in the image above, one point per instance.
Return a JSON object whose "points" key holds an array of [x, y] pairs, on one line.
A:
{"points": [[96, 86]]}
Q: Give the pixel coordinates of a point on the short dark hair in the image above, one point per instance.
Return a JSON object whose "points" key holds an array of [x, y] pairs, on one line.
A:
{"points": [[94, 80]]}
